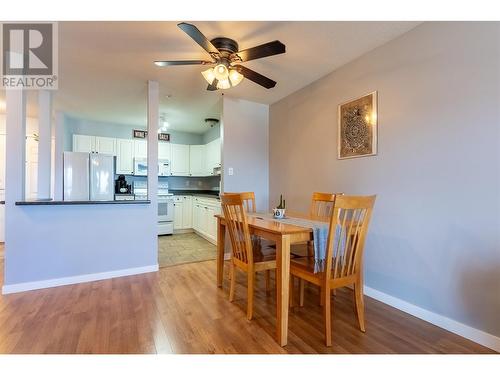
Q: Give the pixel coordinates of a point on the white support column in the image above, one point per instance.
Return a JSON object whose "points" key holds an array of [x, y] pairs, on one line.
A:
{"points": [[58, 155], [15, 157], [44, 143], [153, 121]]}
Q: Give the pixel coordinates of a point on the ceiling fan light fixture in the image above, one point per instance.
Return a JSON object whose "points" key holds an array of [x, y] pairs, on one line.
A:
{"points": [[235, 77], [221, 72], [224, 84], [209, 75]]}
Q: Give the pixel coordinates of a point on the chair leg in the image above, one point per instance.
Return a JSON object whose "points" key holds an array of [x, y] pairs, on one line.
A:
{"points": [[301, 291], [268, 282], [334, 292], [328, 316], [232, 284], [251, 277], [360, 305], [291, 291]]}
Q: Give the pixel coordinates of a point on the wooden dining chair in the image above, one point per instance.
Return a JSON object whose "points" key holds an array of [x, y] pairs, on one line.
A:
{"points": [[248, 198], [247, 255], [344, 256], [321, 208]]}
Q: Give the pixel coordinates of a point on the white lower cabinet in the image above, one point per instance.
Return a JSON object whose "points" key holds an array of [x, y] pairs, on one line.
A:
{"points": [[187, 212], [183, 212], [204, 222], [178, 213]]}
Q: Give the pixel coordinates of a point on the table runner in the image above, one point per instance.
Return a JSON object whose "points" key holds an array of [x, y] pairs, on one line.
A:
{"points": [[320, 235]]}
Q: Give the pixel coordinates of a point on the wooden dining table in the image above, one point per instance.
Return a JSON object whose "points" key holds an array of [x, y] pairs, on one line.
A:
{"points": [[283, 235]]}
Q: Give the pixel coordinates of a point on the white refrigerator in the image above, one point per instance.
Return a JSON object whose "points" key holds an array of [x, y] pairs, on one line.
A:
{"points": [[88, 177]]}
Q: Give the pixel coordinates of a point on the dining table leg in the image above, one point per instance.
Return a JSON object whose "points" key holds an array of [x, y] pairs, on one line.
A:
{"points": [[282, 287], [221, 240]]}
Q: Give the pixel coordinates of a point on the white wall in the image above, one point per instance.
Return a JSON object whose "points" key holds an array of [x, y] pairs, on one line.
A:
{"points": [[245, 138], [434, 240]]}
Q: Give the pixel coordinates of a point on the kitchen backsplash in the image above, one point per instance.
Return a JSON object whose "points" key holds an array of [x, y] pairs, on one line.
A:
{"points": [[183, 183]]}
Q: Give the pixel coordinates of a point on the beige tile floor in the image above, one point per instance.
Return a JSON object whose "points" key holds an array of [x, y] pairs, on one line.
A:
{"points": [[184, 248]]}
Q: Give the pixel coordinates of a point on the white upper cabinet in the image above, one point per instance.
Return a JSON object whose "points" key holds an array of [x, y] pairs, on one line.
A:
{"points": [[179, 163], [164, 151], [124, 156], [141, 148], [213, 157], [105, 145], [185, 160], [197, 160], [83, 143]]}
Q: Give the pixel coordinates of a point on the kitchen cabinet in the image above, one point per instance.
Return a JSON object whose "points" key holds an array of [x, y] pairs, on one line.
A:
{"points": [[140, 149], [204, 222], [83, 143], [179, 163], [187, 212], [124, 156], [105, 145], [197, 154], [185, 160], [212, 156], [164, 151], [183, 212], [178, 213]]}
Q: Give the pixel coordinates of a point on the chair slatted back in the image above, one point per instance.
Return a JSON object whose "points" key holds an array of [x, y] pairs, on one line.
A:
{"points": [[347, 234], [237, 225], [248, 198], [322, 204]]}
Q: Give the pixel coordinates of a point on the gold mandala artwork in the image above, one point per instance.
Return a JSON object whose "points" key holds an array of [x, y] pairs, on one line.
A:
{"points": [[358, 127]]}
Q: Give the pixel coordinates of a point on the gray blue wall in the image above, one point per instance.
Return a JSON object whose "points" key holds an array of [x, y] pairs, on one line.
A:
{"points": [[245, 137], [435, 236]]}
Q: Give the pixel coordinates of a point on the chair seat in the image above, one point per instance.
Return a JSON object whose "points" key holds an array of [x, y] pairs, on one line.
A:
{"points": [[266, 254], [306, 263]]}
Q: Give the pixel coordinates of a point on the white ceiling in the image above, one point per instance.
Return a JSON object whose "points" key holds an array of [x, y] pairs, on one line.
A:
{"points": [[104, 66]]}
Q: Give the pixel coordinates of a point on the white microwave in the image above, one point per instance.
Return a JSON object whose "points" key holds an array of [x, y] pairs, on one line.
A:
{"points": [[163, 167], [141, 167]]}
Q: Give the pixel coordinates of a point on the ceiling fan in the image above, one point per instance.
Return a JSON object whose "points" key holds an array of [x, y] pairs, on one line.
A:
{"points": [[226, 58]]}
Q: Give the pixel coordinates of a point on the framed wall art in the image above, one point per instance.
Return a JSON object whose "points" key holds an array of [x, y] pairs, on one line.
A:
{"points": [[357, 127]]}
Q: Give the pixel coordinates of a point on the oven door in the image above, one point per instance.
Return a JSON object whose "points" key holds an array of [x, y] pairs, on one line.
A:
{"points": [[165, 209]]}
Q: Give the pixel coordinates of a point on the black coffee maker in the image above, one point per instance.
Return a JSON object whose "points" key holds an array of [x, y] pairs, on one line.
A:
{"points": [[121, 186]]}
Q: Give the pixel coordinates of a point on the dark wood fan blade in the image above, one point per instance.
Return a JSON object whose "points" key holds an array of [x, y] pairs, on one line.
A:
{"points": [[255, 77], [199, 38], [213, 86], [182, 62], [264, 50]]}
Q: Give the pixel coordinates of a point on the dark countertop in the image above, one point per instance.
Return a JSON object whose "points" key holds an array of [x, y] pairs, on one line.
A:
{"points": [[50, 202], [201, 193]]}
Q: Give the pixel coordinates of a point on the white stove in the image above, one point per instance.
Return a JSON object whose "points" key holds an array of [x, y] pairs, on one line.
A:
{"points": [[165, 205]]}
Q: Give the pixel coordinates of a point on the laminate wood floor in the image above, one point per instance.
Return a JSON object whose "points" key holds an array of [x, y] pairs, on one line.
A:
{"points": [[180, 310]]}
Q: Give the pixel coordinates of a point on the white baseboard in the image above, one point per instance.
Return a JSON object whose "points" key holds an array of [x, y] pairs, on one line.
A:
{"points": [[42, 284], [473, 334]]}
